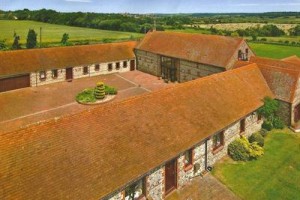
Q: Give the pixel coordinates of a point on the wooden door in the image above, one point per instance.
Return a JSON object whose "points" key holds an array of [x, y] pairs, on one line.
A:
{"points": [[69, 73], [170, 176], [297, 113], [132, 65], [16, 82]]}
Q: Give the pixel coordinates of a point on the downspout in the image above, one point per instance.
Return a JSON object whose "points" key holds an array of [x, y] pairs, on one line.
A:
{"points": [[205, 160], [36, 79]]}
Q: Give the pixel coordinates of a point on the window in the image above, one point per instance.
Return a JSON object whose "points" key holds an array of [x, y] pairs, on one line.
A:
{"points": [[240, 55], [125, 64], [188, 158], [259, 117], [42, 75], [242, 126], [135, 190], [85, 70], [218, 140], [54, 73], [117, 66], [110, 67], [97, 67]]}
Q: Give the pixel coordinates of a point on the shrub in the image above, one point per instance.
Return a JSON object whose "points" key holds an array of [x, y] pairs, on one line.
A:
{"points": [[100, 91], [255, 150], [263, 132], [278, 123], [267, 125], [110, 90], [257, 137], [239, 149], [86, 96]]}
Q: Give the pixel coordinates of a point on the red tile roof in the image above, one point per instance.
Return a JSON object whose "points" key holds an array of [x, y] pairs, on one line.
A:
{"points": [[93, 153], [25, 61], [293, 59], [275, 63], [207, 49], [283, 82]]}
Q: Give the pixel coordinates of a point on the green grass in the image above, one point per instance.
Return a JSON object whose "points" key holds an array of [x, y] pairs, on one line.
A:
{"points": [[276, 175], [52, 33], [274, 51]]}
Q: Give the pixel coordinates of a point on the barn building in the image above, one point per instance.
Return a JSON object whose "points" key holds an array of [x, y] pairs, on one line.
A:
{"points": [[283, 78], [30, 68], [180, 57], [154, 143]]}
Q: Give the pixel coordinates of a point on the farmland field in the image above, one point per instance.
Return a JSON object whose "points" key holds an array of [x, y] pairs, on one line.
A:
{"points": [[52, 33], [274, 51]]}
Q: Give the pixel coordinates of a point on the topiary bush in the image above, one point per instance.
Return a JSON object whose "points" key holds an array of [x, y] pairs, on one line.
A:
{"points": [[278, 123], [257, 137], [238, 150], [99, 91], [267, 125]]}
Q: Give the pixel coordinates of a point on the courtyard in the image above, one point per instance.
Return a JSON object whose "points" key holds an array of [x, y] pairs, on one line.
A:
{"points": [[27, 106]]}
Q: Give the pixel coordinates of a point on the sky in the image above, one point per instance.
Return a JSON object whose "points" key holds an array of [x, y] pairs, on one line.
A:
{"points": [[155, 6]]}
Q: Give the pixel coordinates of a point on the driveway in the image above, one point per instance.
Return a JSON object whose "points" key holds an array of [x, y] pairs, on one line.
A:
{"points": [[26, 106]]}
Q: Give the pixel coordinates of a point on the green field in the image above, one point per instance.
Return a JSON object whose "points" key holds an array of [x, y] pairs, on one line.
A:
{"points": [[274, 51], [53, 33], [275, 175]]}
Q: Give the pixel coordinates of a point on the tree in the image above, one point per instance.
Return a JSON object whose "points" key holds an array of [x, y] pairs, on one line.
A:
{"points": [[16, 45], [269, 109], [3, 45], [64, 39], [295, 31], [31, 39]]}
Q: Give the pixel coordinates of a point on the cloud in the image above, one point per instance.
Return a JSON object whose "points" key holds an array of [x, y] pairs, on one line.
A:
{"points": [[80, 1]]}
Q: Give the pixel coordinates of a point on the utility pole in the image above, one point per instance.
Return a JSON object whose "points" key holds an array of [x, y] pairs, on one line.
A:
{"points": [[40, 37]]}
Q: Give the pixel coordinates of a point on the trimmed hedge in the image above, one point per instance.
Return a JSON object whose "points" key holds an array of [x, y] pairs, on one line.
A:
{"points": [[242, 150], [239, 150], [100, 91], [257, 137]]}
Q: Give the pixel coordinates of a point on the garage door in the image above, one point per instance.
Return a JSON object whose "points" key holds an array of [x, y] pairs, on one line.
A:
{"points": [[15, 82]]}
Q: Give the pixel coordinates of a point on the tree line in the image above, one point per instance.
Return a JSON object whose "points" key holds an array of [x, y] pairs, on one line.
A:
{"points": [[31, 41]]}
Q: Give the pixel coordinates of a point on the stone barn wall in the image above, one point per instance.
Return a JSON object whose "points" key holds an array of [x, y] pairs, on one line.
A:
{"points": [[191, 70], [148, 62]]}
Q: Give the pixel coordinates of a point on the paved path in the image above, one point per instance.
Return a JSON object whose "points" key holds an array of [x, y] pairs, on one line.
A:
{"points": [[203, 188], [26, 106]]}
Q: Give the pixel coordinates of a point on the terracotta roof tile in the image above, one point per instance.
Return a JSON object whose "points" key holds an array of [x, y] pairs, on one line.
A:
{"points": [[293, 59], [206, 49], [275, 63], [25, 61], [93, 153]]}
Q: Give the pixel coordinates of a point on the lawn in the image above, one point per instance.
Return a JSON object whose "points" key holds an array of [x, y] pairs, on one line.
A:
{"points": [[52, 33], [274, 51], [276, 175]]}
